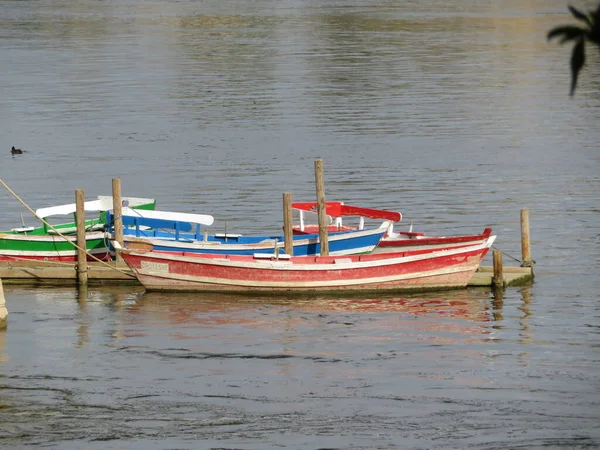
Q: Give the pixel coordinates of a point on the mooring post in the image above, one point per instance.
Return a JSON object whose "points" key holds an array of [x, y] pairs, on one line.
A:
{"points": [[82, 294], [3, 310], [287, 224], [82, 268], [498, 279], [320, 182], [117, 215], [525, 242]]}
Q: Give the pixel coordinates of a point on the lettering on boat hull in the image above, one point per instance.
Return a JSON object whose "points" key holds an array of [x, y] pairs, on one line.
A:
{"points": [[155, 266]]}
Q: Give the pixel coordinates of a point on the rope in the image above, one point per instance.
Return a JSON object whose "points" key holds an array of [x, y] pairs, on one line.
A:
{"points": [[59, 233], [57, 263], [528, 264]]}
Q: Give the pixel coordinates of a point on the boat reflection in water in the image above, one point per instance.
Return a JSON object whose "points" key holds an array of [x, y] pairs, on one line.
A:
{"points": [[472, 304], [440, 314]]}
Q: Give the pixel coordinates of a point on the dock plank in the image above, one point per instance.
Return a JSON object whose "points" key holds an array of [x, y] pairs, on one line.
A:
{"points": [[45, 272], [513, 276]]}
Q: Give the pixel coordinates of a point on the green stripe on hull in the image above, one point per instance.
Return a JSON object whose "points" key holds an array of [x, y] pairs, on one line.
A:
{"points": [[44, 242], [47, 244]]}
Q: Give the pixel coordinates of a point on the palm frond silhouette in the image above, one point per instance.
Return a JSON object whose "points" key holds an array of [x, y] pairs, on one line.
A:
{"points": [[589, 31]]}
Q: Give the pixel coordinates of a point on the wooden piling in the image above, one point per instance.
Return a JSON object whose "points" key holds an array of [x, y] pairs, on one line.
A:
{"points": [[525, 241], [82, 269], [498, 278], [3, 310], [117, 215], [320, 183], [287, 224]]}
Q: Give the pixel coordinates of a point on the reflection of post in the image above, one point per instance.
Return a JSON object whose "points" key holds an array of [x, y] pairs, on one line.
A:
{"points": [[116, 305], [320, 182], [82, 331], [3, 310], [498, 304], [525, 327], [117, 215], [288, 339], [287, 223], [82, 269], [3, 355]]}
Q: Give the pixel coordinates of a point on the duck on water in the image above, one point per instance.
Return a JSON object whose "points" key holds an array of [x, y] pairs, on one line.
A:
{"points": [[16, 151]]}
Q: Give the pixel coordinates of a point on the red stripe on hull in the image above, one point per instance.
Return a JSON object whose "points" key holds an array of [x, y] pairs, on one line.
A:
{"points": [[404, 243], [435, 240]]}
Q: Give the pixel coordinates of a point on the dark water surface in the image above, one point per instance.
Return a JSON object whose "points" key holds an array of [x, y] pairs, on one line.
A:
{"points": [[456, 113]]}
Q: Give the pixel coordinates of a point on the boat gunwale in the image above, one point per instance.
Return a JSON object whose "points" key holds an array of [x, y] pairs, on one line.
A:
{"points": [[249, 262]]}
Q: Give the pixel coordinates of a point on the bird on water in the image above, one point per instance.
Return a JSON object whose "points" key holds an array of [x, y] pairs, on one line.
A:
{"points": [[16, 151]]}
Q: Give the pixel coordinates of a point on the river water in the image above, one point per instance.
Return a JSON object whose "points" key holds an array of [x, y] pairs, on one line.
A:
{"points": [[456, 113]]}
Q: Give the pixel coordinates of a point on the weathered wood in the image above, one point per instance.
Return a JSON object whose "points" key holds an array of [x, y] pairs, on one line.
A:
{"points": [[28, 272], [320, 184], [3, 310], [498, 279], [81, 244], [525, 240], [117, 214], [484, 276], [287, 224]]}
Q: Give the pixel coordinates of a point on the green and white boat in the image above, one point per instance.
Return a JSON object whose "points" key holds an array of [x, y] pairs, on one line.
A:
{"points": [[55, 242]]}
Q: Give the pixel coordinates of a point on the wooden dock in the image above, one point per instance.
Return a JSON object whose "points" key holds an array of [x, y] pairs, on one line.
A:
{"points": [[513, 276], [51, 273]]}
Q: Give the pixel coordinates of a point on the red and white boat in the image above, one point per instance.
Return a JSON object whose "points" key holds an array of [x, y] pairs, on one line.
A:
{"points": [[282, 274], [392, 241]]}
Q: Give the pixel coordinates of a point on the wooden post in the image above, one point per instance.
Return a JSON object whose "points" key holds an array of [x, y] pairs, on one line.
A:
{"points": [[498, 279], [287, 224], [3, 310], [525, 243], [117, 215], [320, 182], [82, 268], [82, 295]]}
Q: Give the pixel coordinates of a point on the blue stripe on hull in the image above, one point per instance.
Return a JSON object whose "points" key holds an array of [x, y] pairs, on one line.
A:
{"points": [[343, 246], [231, 239]]}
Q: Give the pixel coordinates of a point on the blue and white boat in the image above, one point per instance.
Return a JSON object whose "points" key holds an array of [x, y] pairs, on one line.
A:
{"points": [[166, 231]]}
